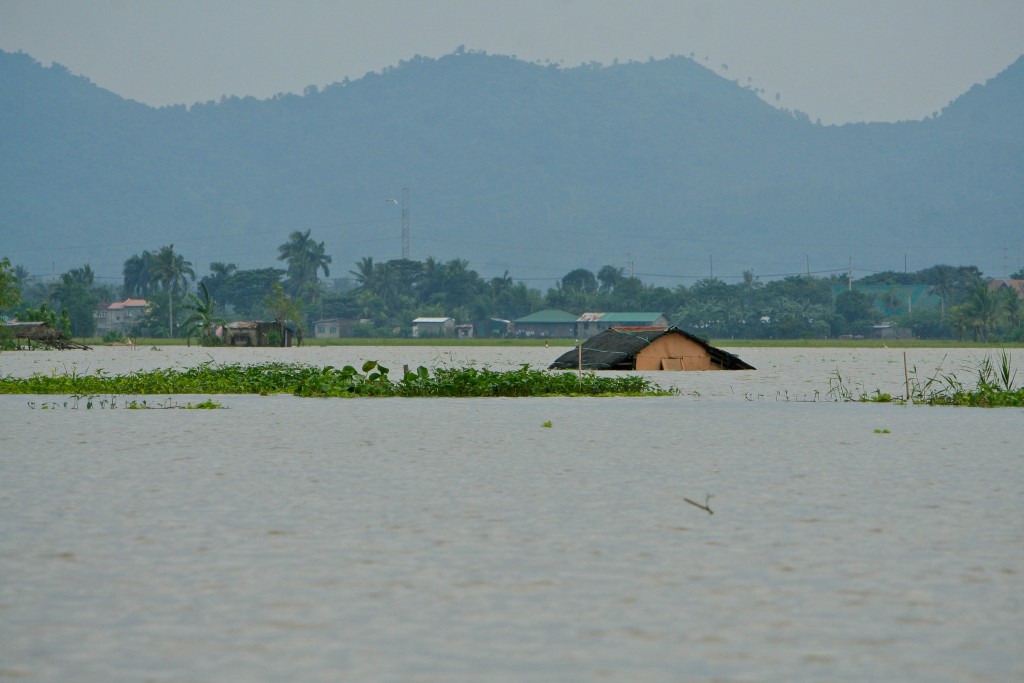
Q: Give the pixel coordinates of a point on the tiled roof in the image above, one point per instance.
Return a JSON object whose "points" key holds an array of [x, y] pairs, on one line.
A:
{"points": [[128, 303]]}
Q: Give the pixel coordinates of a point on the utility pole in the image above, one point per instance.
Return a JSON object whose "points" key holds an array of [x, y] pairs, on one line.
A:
{"points": [[405, 222]]}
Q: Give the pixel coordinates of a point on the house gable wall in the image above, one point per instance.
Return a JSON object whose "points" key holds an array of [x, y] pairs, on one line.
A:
{"points": [[678, 352]]}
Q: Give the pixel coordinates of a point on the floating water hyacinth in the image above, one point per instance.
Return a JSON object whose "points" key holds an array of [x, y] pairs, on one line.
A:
{"points": [[328, 381]]}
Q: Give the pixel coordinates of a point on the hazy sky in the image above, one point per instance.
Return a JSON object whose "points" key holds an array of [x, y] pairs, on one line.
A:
{"points": [[837, 60]]}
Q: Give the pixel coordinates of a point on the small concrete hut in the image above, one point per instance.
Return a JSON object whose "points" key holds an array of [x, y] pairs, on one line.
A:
{"points": [[648, 348]]}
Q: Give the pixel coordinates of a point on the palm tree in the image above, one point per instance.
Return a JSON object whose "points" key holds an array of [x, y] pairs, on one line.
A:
{"points": [[382, 280], [285, 309], [10, 285], [137, 278], [365, 273], [984, 309], [204, 318], [1011, 306], [609, 276], [890, 301], [958, 316], [943, 282], [751, 281], [171, 271], [305, 259]]}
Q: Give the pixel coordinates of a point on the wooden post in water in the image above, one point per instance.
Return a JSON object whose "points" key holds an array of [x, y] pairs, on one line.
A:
{"points": [[906, 376], [579, 362]]}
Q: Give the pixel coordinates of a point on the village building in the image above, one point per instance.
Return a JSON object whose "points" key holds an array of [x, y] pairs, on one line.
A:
{"points": [[335, 328], [433, 327], [120, 316], [589, 324], [547, 323], [1016, 286], [31, 332], [497, 327], [258, 333], [648, 348]]}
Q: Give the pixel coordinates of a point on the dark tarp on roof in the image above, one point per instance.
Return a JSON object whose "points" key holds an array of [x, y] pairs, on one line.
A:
{"points": [[617, 347]]}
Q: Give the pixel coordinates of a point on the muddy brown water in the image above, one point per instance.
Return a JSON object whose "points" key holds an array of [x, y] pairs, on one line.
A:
{"points": [[462, 540]]}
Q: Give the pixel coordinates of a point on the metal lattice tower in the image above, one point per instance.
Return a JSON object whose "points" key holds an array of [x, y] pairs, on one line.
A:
{"points": [[405, 222]]}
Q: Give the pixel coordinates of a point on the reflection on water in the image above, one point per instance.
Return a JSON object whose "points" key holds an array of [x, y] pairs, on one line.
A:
{"points": [[459, 540]]}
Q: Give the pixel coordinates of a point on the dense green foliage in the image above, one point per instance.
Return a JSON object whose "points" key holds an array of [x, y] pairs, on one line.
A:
{"points": [[527, 168], [384, 297], [10, 289], [302, 380]]}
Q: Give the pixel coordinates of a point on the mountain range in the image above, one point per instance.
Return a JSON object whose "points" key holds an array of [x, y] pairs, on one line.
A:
{"points": [[662, 168]]}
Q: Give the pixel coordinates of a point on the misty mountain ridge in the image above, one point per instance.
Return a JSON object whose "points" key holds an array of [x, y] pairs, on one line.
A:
{"points": [[661, 167]]}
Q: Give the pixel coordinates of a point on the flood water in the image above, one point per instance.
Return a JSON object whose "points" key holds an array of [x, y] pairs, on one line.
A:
{"points": [[462, 540]]}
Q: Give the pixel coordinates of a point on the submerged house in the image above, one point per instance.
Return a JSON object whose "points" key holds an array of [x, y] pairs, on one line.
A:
{"points": [[258, 333], [38, 332], [648, 348]]}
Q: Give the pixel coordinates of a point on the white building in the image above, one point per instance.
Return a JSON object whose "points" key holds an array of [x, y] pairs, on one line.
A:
{"points": [[121, 316], [433, 327]]}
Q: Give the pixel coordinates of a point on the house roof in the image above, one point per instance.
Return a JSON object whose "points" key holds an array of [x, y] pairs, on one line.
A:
{"points": [[1015, 285], [128, 303], [42, 332], [261, 325], [439, 321], [616, 347], [641, 317], [549, 315]]}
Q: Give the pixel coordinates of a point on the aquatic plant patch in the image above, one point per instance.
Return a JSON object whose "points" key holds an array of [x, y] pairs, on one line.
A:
{"points": [[993, 387], [82, 402], [372, 379]]}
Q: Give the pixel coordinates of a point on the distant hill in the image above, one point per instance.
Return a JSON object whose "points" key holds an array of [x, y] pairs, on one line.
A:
{"points": [[661, 167]]}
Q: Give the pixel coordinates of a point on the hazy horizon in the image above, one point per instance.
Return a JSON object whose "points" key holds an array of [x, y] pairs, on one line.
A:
{"points": [[837, 62]]}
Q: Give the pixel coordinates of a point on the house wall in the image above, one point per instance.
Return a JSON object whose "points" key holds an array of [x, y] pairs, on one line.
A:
{"points": [[433, 329], [121, 319], [552, 330], [334, 328], [674, 352]]}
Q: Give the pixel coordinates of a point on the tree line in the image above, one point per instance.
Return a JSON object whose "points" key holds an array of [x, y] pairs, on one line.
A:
{"points": [[385, 296]]}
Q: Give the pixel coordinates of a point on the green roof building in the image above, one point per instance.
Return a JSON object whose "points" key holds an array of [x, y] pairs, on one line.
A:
{"points": [[550, 323]]}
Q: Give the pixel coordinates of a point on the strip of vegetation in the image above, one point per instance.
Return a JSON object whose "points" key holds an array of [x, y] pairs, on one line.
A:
{"points": [[303, 380], [90, 402], [862, 343], [993, 388]]}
